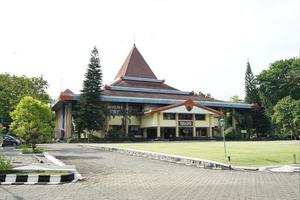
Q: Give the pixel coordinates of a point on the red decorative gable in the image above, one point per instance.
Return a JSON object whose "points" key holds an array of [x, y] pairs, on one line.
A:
{"points": [[189, 104]]}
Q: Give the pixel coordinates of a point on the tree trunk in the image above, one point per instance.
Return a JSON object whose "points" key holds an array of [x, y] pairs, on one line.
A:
{"points": [[33, 146], [79, 132]]}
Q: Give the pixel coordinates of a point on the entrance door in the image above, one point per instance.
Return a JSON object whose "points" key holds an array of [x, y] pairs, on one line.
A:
{"points": [[151, 133], [168, 132], [185, 131]]}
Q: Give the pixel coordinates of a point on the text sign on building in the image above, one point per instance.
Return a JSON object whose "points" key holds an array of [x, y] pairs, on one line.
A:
{"points": [[185, 123]]}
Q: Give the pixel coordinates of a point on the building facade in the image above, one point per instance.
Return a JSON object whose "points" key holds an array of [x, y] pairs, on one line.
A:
{"points": [[143, 106]]}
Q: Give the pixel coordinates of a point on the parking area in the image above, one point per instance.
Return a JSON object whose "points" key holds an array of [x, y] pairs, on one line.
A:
{"points": [[116, 176]]}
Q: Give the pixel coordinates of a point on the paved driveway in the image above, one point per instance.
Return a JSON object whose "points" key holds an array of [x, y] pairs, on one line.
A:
{"points": [[116, 176]]}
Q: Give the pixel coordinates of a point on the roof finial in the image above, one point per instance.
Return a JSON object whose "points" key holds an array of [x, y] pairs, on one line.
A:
{"points": [[133, 40], [248, 59]]}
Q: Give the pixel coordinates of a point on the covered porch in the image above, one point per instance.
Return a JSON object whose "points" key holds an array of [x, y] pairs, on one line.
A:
{"points": [[183, 120]]}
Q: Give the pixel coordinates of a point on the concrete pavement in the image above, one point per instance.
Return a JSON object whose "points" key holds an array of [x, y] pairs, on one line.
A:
{"points": [[111, 175]]}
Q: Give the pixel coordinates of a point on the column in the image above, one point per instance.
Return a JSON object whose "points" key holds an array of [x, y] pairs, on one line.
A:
{"points": [[158, 125], [145, 132], [177, 128], [210, 126], [194, 126], [126, 122]]}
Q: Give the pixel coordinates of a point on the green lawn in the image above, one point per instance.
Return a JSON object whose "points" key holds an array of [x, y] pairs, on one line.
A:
{"points": [[242, 153]]}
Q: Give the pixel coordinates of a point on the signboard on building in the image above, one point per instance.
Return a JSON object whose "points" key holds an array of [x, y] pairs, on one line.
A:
{"points": [[185, 123]]}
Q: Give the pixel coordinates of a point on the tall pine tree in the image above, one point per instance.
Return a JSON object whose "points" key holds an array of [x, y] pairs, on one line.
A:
{"points": [[261, 123], [91, 111], [250, 86]]}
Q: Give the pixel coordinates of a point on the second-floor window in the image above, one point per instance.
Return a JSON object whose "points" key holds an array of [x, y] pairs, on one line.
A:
{"points": [[185, 117], [134, 109], [115, 109], [200, 117], [169, 116]]}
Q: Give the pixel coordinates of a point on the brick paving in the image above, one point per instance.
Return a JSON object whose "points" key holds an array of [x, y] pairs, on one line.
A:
{"points": [[116, 176]]}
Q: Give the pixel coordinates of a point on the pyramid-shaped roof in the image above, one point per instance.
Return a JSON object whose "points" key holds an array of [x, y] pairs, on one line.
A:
{"points": [[135, 66]]}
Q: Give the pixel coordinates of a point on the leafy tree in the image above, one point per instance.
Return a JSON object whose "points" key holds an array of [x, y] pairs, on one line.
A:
{"points": [[1, 128], [261, 122], [32, 120], [236, 99], [286, 117], [1, 132], [280, 80], [92, 111], [14, 88], [206, 95]]}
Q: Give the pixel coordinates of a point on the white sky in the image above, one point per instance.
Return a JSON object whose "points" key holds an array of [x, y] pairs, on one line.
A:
{"points": [[193, 45]]}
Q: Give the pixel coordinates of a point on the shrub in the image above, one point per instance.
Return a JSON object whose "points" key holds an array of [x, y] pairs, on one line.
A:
{"points": [[233, 135], [5, 164], [22, 146], [73, 139], [113, 135], [30, 150]]}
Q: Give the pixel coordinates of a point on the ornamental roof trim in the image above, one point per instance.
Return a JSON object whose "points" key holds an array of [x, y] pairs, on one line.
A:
{"points": [[148, 90], [189, 104]]}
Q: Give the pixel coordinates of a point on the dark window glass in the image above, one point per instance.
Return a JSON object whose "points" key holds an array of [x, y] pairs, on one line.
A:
{"points": [[169, 116], [116, 128], [134, 109], [185, 117], [115, 109], [186, 132], [201, 132], [200, 117], [134, 130]]}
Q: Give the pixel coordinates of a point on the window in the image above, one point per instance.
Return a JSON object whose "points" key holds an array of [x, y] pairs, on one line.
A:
{"points": [[134, 130], [116, 128], [185, 117], [200, 117], [134, 109], [115, 109], [201, 132], [169, 116]]}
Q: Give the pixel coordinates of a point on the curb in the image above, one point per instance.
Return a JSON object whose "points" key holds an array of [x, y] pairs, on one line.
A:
{"points": [[53, 159], [201, 163], [58, 162], [29, 179]]}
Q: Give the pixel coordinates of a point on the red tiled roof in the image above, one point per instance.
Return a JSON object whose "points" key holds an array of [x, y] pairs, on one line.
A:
{"points": [[66, 95], [108, 92], [135, 66], [142, 84]]}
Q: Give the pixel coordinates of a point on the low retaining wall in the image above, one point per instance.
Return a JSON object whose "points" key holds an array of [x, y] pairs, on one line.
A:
{"points": [[18, 179], [165, 157]]}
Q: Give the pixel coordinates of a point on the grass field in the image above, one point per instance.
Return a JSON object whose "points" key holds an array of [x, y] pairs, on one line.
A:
{"points": [[242, 153]]}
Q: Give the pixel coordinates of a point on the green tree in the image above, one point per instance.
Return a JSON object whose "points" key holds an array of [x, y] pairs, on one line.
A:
{"points": [[14, 88], [280, 80], [260, 122], [286, 117], [236, 99], [250, 87], [1, 132], [32, 120], [91, 113], [206, 95]]}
